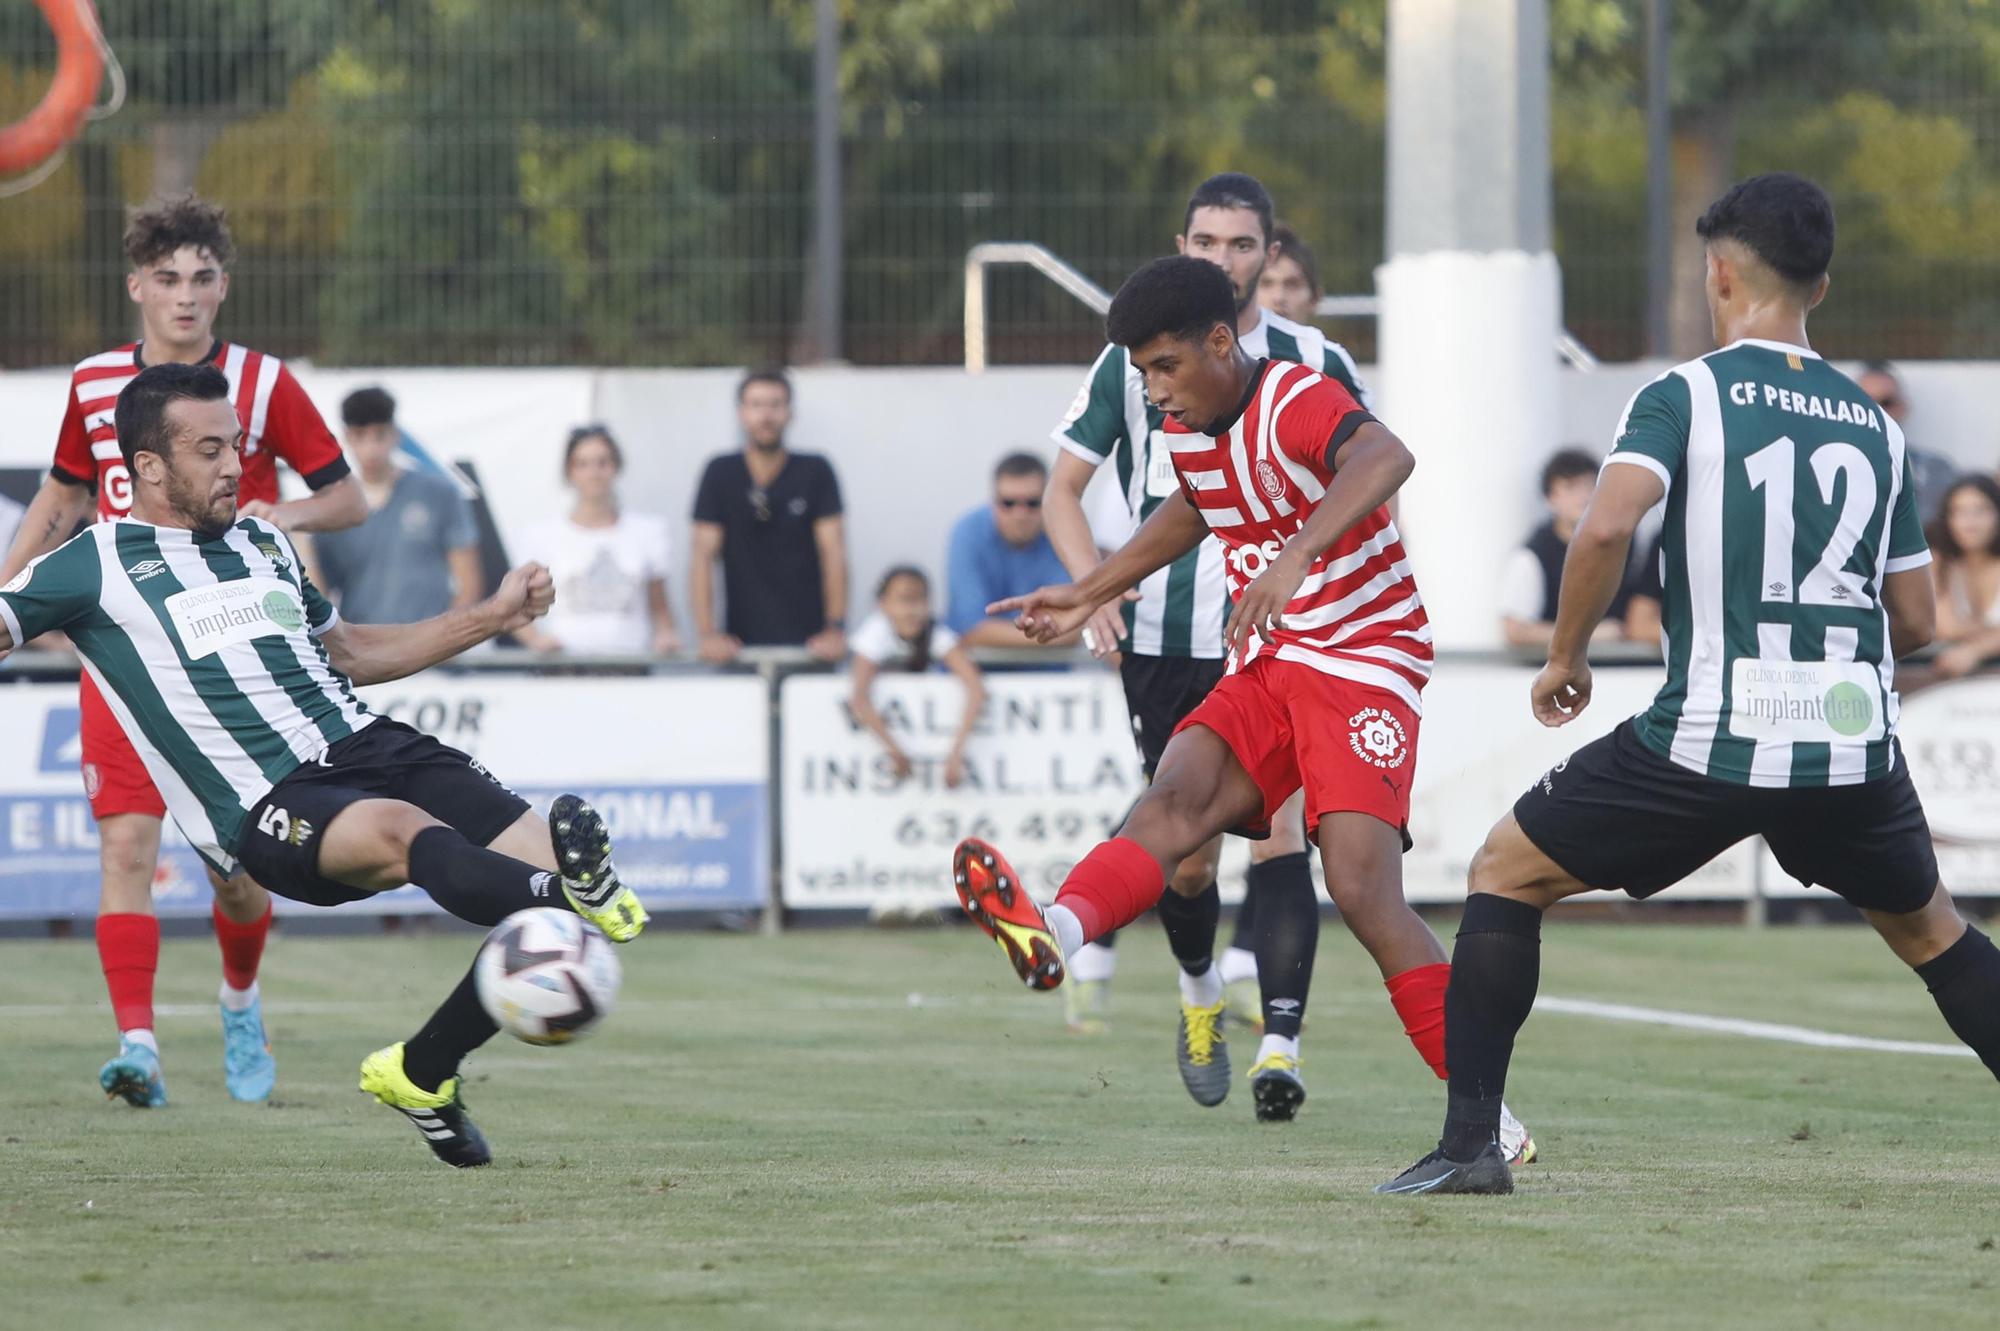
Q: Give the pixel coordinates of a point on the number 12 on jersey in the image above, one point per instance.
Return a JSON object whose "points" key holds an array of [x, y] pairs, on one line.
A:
{"points": [[1772, 470]]}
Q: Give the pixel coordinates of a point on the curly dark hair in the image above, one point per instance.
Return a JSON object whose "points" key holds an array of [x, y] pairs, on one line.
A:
{"points": [[1178, 295], [182, 220]]}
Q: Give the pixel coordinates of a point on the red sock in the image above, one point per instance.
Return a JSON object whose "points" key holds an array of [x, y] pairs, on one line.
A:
{"points": [[1418, 997], [242, 947], [128, 946], [1112, 886]]}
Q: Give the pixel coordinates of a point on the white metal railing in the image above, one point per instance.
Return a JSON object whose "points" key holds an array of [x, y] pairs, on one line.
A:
{"points": [[1044, 261]]}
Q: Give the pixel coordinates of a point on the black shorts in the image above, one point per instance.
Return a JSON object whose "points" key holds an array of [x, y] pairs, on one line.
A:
{"points": [[1160, 691], [1616, 815], [279, 845]]}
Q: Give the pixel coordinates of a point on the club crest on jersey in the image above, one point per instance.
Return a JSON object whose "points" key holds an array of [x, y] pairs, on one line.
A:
{"points": [[271, 552], [1378, 738], [1269, 481]]}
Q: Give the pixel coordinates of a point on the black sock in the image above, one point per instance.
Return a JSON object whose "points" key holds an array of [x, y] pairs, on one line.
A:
{"points": [[1244, 933], [1107, 940], [459, 1026], [1286, 940], [1190, 923], [1495, 967], [1964, 981], [478, 885]]}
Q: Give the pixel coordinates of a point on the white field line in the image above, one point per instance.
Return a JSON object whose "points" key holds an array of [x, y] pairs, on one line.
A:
{"points": [[1754, 1030], [1573, 1007]]}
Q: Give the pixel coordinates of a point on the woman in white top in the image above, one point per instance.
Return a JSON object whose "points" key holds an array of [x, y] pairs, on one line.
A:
{"points": [[1965, 538], [902, 635], [609, 566]]}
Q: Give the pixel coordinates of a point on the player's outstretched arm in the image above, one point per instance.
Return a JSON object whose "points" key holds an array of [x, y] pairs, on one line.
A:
{"points": [[1592, 573], [1069, 532], [51, 516], [1048, 613], [377, 653]]}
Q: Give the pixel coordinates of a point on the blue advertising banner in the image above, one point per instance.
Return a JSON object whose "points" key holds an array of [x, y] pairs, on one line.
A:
{"points": [[679, 768]]}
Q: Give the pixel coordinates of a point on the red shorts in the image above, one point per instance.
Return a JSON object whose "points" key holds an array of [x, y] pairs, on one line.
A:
{"points": [[1352, 746], [113, 777]]}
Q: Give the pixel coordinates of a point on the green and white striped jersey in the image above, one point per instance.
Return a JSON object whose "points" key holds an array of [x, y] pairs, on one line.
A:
{"points": [[208, 653], [1789, 499], [1182, 608]]}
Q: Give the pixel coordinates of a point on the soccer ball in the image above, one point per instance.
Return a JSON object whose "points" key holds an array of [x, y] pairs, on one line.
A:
{"points": [[546, 976]]}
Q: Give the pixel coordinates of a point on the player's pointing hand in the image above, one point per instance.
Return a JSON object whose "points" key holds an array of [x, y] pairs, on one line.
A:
{"points": [[1046, 613]]}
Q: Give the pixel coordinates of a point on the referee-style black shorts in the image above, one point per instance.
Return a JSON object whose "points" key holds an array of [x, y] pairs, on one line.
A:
{"points": [[279, 844], [1159, 692], [1616, 815]]}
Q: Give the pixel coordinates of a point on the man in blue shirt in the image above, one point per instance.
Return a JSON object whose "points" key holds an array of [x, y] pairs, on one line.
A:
{"points": [[1000, 550]]}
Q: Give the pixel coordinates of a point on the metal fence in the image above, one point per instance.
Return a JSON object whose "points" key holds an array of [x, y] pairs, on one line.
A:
{"points": [[631, 181]]}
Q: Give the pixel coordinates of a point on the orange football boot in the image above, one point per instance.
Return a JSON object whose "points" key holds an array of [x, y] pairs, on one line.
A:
{"points": [[993, 896]]}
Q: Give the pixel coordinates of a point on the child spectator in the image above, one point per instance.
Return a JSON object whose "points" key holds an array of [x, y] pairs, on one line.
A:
{"points": [[1534, 573], [902, 635]]}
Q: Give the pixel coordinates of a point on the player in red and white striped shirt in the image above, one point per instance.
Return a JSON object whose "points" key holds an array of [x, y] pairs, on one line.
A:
{"points": [[1329, 650], [179, 251]]}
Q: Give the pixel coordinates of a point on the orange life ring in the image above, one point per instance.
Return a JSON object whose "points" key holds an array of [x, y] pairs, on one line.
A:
{"points": [[40, 134]]}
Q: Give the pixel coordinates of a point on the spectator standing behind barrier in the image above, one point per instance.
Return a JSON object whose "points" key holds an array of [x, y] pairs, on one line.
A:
{"points": [[1965, 541], [999, 550], [609, 566], [1934, 471], [1289, 285], [902, 635], [1533, 576], [772, 518], [417, 554]]}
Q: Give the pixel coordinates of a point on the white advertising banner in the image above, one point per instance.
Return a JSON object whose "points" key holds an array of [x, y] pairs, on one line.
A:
{"points": [[1481, 746], [1951, 739], [679, 766], [1050, 772]]}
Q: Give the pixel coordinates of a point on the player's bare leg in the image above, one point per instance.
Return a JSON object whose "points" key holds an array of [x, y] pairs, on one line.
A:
{"points": [[1284, 939], [1496, 967], [1199, 792], [128, 948], [242, 924]]}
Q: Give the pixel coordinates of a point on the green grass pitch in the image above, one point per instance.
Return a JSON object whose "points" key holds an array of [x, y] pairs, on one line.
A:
{"points": [[778, 1134]]}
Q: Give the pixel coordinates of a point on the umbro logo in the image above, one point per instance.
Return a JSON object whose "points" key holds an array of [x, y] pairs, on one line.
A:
{"points": [[539, 884], [146, 568]]}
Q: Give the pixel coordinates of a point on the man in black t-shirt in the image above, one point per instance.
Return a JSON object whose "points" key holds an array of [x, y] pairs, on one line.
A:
{"points": [[772, 518]]}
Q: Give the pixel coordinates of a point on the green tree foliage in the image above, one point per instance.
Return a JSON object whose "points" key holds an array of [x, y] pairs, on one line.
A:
{"points": [[630, 181]]}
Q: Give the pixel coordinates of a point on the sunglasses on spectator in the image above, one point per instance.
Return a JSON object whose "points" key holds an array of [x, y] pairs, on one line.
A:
{"points": [[1018, 503], [760, 504]]}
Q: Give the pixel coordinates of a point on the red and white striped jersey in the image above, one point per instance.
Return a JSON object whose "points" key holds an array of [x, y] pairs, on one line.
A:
{"points": [[1357, 614], [279, 421]]}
